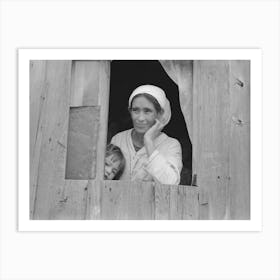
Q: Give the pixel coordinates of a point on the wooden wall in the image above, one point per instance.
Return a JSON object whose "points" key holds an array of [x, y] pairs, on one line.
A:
{"points": [[55, 87], [147, 201], [68, 127], [221, 140], [221, 147]]}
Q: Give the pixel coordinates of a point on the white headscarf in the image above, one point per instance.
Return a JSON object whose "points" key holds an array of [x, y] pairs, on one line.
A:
{"points": [[159, 95]]}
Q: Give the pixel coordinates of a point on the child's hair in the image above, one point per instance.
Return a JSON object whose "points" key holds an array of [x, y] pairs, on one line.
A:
{"points": [[112, 149]]}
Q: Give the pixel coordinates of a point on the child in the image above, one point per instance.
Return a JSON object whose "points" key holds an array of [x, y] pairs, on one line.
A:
{"points": [[114, 163]]}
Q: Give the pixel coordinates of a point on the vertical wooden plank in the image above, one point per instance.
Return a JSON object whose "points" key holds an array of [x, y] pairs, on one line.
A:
{"points": [[190, 205], [94, 193], [211, 132], [37, 109], [93, 205], [111, 201], [176, 202], [239, 167], [85, 83], [53, 118], [126, 200], [56, 197], [203, 204], [37, 97], [103, 102], [70, 201], [69, 197], [141, 200], [175, 213], [162, 202]]}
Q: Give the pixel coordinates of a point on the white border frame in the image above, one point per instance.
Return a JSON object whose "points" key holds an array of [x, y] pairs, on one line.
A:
{"points": [[254, 55]]}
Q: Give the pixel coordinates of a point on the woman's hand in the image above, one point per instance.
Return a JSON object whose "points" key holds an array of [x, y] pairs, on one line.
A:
{"points": [[154, 131], [151, 135]]}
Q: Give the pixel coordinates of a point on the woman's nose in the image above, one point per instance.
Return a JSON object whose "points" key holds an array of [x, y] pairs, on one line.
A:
{"points": [[141, 116]]}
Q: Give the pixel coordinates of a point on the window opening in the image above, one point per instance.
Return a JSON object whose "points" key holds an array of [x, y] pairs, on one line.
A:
{"points": [[125, 77]]}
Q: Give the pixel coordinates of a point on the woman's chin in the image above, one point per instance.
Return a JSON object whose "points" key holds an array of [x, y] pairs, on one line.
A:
{"points": [[140, 130]]}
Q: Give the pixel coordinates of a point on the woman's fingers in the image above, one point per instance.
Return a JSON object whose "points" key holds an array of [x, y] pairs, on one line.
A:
{"points": [[154, 131], [159, 124]]}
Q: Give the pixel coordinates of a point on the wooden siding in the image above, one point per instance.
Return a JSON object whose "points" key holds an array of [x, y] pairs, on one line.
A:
{"points": [[125, 200], [239, 165], [54, 87], [221, 142], [47, 161], [221, 147]]}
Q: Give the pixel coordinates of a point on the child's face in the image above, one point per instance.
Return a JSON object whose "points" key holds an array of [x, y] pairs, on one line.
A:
{"points": [[112, 167]]}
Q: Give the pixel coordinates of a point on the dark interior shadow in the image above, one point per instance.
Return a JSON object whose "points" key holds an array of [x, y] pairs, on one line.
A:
{"points": [[125, 77]]}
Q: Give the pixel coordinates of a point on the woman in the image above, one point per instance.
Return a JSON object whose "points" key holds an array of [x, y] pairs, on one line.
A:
{"points": [[150, 154]]}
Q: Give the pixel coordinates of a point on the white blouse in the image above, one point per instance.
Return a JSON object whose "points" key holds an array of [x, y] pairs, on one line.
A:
{"points": [[164, 164]]}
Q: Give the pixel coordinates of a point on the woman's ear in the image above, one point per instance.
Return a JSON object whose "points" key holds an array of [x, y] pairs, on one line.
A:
{"points": [[160, 115]]}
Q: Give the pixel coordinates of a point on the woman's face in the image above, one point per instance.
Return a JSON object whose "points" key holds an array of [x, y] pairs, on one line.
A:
{"points": [[143, 114]]}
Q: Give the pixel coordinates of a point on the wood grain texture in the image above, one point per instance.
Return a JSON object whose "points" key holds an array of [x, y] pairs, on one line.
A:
{"points": [[211, 132], [69, 202], [55, 85], [103, 102], [53, 118], [71, 199], [102, 97], [203, 204], [37, 110], [93, 206], [162, 202], [37, 98], [124, 200], [176, 202], [239, 167], [127, 200], [85, 83]]}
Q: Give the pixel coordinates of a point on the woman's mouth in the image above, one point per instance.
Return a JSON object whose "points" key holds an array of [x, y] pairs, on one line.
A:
{"points": [[140, 125]]}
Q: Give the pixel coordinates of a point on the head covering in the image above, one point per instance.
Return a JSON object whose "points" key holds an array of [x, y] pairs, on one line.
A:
{"points": [[159, 95]]}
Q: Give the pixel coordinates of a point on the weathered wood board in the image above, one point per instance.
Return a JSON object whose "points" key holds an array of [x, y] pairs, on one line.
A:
{"points": [[37, 108], [239, 165], [55, 86], [85, 83], [51, 129], [221, 143], [211, 137], [124, 200]]}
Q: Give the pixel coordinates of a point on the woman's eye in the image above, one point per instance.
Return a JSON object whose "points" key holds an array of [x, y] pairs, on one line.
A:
{"points": [[135, 110], [147, 111]]}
